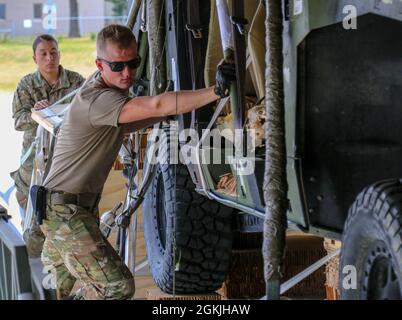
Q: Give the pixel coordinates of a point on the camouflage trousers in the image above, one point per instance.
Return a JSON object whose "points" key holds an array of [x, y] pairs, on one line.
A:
{"points": [[34, 239], [75, 249]]}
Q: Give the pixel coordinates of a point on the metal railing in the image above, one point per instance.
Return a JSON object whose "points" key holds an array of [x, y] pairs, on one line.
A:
{"points": [[15, 272]]}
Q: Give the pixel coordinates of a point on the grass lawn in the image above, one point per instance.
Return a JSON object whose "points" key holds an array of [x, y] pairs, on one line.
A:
{"points": [[77, 54]]}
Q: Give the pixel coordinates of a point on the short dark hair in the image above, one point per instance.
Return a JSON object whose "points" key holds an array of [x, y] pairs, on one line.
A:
{"points": [[117, 34], [43, 37]]}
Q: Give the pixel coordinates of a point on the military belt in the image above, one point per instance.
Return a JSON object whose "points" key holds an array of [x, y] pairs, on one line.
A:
{"points": [[85, 200]]}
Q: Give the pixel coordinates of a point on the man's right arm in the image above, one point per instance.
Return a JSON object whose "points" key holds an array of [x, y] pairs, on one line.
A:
{"points": [[165, 104], [172, 103], [22, 104]]}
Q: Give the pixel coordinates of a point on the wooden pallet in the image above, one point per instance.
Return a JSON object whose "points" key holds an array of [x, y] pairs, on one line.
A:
{"points": [[332, 270], [157, 294], [331, 293], [245, 279]]}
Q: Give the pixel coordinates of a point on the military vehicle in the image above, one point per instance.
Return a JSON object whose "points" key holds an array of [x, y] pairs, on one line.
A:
{"points": [[342, 89], [339, 74]]}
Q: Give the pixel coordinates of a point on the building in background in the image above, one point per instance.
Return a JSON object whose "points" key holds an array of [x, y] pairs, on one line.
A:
{"points": [[34, 17]]}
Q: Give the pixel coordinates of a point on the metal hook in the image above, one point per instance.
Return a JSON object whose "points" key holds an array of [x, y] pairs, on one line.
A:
{"points": [[158, 77]]}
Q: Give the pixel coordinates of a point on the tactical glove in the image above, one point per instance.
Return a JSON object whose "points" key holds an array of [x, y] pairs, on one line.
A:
{"points": [[225, 75]]}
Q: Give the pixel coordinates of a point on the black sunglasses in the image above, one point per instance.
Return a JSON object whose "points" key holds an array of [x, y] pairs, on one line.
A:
{"points": [[119, 66]]}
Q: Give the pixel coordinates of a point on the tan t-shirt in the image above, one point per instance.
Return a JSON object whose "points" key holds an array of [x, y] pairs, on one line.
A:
{"points": [[89, 139]]}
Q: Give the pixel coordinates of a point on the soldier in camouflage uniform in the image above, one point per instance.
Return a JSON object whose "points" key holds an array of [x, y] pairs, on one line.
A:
{"points": [[79, 251], [38, 90], [87, 145]]}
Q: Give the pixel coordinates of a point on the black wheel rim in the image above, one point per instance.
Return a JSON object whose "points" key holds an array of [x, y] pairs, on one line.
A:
{"points": [[380, 279], [160, 212]]}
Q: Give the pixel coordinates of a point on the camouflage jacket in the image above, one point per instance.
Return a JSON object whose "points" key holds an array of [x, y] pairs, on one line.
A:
{"points": [[33, 88]]}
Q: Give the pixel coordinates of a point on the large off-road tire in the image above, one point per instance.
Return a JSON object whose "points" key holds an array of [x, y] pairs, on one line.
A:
{"points": [[372, 243], [188, 237]]}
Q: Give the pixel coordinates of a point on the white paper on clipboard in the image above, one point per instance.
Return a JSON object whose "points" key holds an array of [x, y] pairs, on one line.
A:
{"points": [[297, 7]]}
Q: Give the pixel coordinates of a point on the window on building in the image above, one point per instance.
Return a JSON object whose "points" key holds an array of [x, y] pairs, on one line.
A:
{"points": [[2, 11], [38, 11]]}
